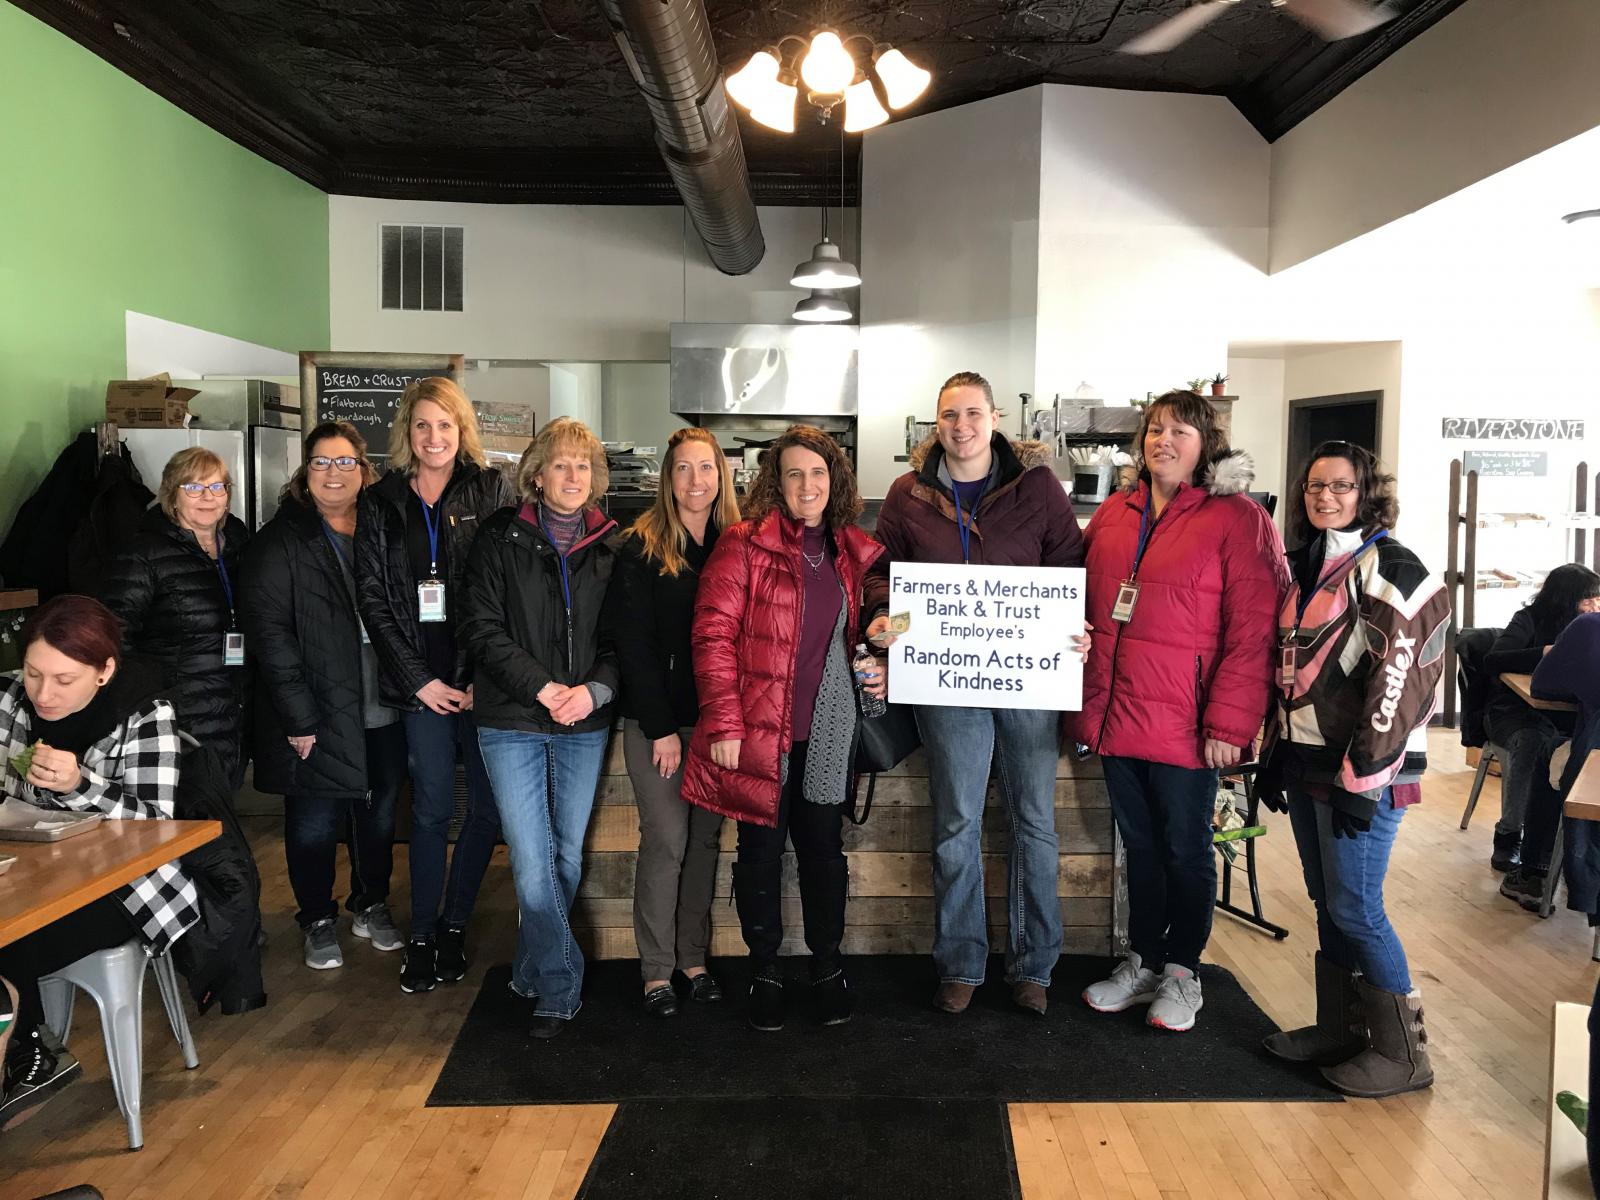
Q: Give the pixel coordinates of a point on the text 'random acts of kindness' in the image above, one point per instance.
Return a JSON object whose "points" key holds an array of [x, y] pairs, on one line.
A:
{"points": [[985, 637]]}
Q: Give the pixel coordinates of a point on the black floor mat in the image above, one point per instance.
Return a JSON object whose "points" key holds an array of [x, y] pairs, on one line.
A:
{"points": [[805, 1149], [896, 1047]]}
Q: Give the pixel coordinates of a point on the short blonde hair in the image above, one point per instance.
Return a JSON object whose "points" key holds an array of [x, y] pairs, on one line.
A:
{"points": [[447, 394], [564, 435], [188, 466]]}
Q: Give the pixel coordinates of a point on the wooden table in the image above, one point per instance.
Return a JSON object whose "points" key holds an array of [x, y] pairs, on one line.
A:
{"points": [[1522, 685], [51, 879]]}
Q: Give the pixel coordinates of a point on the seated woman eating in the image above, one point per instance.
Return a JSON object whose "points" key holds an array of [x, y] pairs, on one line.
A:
{"points": [[83, 731]]}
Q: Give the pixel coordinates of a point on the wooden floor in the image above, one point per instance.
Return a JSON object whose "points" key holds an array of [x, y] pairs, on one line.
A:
{"points": [[322, 1094]]}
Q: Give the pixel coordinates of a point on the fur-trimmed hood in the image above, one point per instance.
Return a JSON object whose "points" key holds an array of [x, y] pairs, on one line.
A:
{"points": [[1231, 474], [1029, 453]]}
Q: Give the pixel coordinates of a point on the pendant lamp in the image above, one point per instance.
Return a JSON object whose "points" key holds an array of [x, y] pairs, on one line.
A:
{"points": [[822, 307]]}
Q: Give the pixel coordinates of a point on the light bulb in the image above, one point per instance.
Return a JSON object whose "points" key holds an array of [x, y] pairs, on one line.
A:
{"points": [[774, 108], [861, 107], [749, 85], [827, 67], [903, 80]]}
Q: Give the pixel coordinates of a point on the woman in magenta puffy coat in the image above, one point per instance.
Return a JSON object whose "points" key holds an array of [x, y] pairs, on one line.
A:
{"points": [[1184, 574], [778, 608]]}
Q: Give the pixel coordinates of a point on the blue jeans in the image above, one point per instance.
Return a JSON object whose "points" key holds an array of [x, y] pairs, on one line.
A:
{"points": [[1024, 746], [545, 784], [1164, 816], [313, 825], [1345, 879], [431, 741]]}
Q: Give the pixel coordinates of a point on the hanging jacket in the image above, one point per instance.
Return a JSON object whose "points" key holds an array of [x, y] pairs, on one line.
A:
{"points": [[299, 619], [1196, 659], [523, 632], [116, 507], [168, 593], [1024, 518], [1369, 654], [386, 587], [652, 615], [746, 635]]}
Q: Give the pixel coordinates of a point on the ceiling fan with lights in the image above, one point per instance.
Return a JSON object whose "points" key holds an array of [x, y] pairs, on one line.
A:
{"points": [[832, 70], [1330, 19]]}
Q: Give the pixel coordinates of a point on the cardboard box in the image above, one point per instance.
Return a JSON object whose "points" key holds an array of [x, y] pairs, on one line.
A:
{"points": [[148, 403]]}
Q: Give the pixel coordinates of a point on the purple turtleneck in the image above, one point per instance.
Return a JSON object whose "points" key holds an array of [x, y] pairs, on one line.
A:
{"points": [[823, 597]]}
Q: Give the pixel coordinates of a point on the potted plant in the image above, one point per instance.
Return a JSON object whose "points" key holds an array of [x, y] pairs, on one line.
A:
{"points": [[1218, 382], [1197, 386]]}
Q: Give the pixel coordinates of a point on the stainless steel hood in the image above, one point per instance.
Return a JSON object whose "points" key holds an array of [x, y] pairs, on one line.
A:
{"points": [[764, 370]]}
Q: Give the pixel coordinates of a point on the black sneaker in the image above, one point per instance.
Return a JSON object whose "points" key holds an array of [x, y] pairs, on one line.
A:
{"points": [[33, 1073], [419, 971], [766, 1003], [1525, 887], [451, 963], [1507, 851]]}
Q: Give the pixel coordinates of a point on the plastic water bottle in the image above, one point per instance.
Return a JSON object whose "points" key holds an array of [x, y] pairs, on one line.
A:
{"points": [[865, 660]]}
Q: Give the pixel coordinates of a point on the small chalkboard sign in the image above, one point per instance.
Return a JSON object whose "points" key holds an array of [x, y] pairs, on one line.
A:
{"points": [[1534, 464], [365, 388]]}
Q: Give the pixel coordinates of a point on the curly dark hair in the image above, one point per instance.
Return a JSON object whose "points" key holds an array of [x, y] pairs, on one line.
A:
{"points": [[766, 493], [1187, 408], [1556, 604], [1377, 508]]}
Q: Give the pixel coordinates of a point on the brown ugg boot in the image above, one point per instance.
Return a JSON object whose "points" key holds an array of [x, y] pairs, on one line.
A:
{"points": [[1338, 1035], [1396, 1057]]}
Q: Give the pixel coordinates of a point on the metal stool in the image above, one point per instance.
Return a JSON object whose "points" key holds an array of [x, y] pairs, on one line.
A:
{"points": [[1490, 753], [115, 978]]}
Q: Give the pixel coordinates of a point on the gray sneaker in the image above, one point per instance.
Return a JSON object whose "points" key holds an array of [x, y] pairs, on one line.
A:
{"points": [[376, 925], [322, 946], [1177, 1000], [1131, 983]]}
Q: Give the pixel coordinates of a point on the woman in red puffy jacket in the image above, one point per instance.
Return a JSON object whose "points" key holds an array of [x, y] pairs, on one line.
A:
{"points": [[1184, 574], [778, 608]]}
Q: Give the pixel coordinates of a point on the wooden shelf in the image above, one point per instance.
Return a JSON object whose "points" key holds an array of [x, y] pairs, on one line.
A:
{"points": [[17, 598]]}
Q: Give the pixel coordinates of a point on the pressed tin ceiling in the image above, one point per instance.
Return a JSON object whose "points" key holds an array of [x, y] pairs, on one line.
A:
{"points": [[529, 100]]}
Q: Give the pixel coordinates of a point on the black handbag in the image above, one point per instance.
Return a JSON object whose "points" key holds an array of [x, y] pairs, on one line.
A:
{"points": [[882, 743]]}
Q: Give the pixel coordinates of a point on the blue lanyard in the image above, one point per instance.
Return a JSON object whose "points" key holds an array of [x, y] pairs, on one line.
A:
{"points": [[1146, 528], [433, 537], [227, 585], [1306, 598], [327, 532], [963, 525], [566, 584]]}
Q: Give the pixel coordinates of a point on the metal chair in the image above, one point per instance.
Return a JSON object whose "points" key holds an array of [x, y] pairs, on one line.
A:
{"points": [[115, 978], [1491, 752]]}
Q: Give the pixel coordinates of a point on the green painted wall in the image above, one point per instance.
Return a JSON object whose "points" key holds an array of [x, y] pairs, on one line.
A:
{"points": [[111, 199]]}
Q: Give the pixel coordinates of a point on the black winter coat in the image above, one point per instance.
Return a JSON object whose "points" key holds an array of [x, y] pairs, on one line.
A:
{"points": [[169, 595], [516, 624], [299, 618], [386, 587], [653, 615]]}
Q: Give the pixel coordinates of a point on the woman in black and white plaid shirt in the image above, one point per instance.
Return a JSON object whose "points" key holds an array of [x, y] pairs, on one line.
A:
{"points": [[100, 742]]}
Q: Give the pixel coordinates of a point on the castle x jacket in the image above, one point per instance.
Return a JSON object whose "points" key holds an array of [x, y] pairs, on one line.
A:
{"points": [[746, 636], [524, 627], [1195, 659]]}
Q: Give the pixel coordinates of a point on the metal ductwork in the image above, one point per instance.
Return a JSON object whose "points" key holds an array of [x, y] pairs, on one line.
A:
{"points": [[668, 48]]}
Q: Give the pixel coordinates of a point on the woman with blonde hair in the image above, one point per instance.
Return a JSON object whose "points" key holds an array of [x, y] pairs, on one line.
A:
{"points": [[659, 561], [173, 590], [535, 620], [414, 528]]}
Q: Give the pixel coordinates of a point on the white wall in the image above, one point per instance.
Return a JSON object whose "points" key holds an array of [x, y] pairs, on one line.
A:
{"points": [[154, 345], [1260, 423], [575, 392], [1492, 83], [562, 282], [1373, 367], [634, 404], [950, 237]]}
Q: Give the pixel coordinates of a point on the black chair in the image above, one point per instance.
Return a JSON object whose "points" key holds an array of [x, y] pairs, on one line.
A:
{"points": [[1475, 684], [1267, 500]]}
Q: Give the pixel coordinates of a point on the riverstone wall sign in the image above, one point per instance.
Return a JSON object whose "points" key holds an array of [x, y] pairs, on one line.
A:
{"points": [[1513, 429]]}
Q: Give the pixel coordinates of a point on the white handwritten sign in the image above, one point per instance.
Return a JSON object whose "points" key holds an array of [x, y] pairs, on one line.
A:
{"points": [[986, 637]]}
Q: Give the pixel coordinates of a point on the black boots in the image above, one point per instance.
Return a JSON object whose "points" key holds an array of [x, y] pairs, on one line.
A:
{"points": [[1338, 1034], [1507, 851], [758, 895], [757, 891]]}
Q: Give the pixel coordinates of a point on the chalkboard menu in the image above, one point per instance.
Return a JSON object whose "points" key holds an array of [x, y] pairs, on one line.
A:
{"points": [[365, 388]]}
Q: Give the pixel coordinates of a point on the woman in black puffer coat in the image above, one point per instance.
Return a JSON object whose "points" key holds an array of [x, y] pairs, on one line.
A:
{"points": [[173, 590], [323, 739]]}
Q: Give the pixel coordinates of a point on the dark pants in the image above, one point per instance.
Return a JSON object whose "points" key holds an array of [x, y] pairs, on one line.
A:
{"points": [[313, 826], [1594, 1091], [817, 833], [99, 925], [431, 741], [1164, 816], [1525, 773]]}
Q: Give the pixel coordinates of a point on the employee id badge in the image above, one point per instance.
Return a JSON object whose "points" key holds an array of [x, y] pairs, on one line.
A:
{"points": [[430, 601], [233, 649], [1286, 666], [1127, 597]]}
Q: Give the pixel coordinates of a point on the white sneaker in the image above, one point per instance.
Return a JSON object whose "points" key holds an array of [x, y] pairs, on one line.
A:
{"points": [[1131, 983], [1177, 1000], [376, 924]]}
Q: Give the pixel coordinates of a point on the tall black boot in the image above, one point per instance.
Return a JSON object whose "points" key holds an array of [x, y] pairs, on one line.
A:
{"points": [[824, 887], [758, 895]]}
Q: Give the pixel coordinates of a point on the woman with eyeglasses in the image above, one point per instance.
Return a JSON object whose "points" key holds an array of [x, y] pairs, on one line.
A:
{"points": [[324, 740], [1360, 651], [174, 588]]}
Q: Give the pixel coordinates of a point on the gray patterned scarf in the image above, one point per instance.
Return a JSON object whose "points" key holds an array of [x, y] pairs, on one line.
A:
{"points": [[833, 725]]}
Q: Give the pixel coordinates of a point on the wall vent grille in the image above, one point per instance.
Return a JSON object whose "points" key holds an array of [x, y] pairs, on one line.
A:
{"points": [[421, 267]]}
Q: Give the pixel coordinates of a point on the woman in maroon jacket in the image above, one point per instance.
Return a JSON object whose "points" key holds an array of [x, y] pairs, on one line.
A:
{"points": [[778, 607], [1184, 575]]}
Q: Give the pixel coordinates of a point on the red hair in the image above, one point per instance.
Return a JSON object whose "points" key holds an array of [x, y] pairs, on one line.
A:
{"points": [[80, 627]]}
